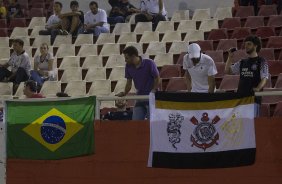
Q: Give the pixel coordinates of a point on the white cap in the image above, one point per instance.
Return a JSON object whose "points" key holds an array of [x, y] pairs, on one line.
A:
{"points": [[194, 50]]}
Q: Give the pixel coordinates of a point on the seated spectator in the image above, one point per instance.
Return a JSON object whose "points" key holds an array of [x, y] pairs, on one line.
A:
{"points": [[151, 11], [14, 10], [3, 10], [95, 20], [72, 21], [19, 63], [62, 94], [121, 11], [121, 113], [53, 26], [43, 66], [30, 90]]}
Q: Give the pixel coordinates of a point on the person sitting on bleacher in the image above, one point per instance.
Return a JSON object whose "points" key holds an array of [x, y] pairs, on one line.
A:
{"points": [[43, 66], [53, 25], [30, 90], [72, 21], [14, 10], [95, 20], [19, 63], [3, 10], [121, 114], [152, 11]]}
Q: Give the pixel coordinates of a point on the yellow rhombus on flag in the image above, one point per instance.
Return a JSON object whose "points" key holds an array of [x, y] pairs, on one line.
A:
{"points": [[53, 129]]}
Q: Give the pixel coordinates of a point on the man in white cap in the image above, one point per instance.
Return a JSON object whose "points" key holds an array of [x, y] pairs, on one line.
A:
{"points": [[200, 70]]}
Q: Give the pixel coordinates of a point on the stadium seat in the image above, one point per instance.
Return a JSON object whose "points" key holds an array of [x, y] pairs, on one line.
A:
{"points": [[141, 27], [265, 32], [115, 60], [70, 61], [35, 31], [223, 12], [92, 61], [164, 26], [150, 36], [245, 11], [180, 58], [117, 73], [267, 10], [17, 22], [239, 54], [231, 23], [201, 14], [76, 88], [226, 44], [180, 15], [205, 45], [106, 38], [121, 85], [208, 24], [278, 110], [162, 59], [70, 74], [264, 110], [216, 55], [109, 49], [87, 50], [62, 39], [184, 25], [171, 36], [122, 28], [4, 41], [194, 35], [4, 32], [169, 71], [138, 46], [65, 50], [5, 52], [229, 83], [275, 21], [254, 21], [84, 39], [275, 67], [19, 31], [36, 12], [241, 32], [19, 93], [176, 84], [274, 99], [267, 53], [50, 88], [95, 73], [278, 83], [127, 37], [178, 47], [156, 48], [100, 88], [3, 23], [217, 34], [274, 42], [6, 88]]}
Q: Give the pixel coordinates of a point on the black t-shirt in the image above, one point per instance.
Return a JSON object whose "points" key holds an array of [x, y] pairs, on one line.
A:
{"points": [[13, 8], [119, 115]]}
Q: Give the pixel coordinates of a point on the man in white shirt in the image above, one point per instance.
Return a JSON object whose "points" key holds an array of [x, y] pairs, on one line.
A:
{"points": [[53, 25], [95, 20], [200, 70], [19, 63], [152, 11]]}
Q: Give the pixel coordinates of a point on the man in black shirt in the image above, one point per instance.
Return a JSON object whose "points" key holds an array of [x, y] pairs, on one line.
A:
{"points": [[121, 113]]}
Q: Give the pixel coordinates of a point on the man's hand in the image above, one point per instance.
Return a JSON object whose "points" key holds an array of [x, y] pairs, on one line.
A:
{"points": [[121, 94], [256, 89]]}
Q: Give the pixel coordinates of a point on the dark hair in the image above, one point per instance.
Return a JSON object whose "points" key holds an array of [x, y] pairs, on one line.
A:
{"points": [[59, 3], [62, 94], [255, 40], [74, 3], [93, 3], [32, 85], [19, 41], [130, 51]]}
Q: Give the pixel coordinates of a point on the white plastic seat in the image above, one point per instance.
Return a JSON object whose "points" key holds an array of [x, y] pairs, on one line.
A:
{"points": [[106, 38], [163, 59], [6, 88], [194, 35], [66, 50], [141, 27], [115, 60], [156, 48], [121, 85], [100, 88], [71, 74], [35, 31], [50, 88], [5, 52], [62, 39], [4, 41], [87, 50], [76, 88], [122, 28], [164, 26], [150, 36], [185, 25], [84, 39], [41, 39], [37, 21], [19, 92], [95, 74], [127, 37], [209, 24], [92, 62], [180, 15], [19, 31], [70, 61], [109, 49], [171, 36], [223, 12], [178, 47], [201, 14], [117, 73]]}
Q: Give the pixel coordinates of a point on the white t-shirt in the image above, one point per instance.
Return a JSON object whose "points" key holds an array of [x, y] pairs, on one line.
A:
{"points": [[43, 63], [199, 73], [101, 16], [53, 19], [152, 7], [21, 60]]}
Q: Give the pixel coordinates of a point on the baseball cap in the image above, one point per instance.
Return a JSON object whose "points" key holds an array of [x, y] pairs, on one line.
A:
{"points": [[194, 50]]}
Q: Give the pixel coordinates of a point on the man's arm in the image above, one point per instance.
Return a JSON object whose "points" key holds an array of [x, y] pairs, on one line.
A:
{"points": [[126, 89], [227, 69], [156, 84], [76, 13], [260, 85], [161, 5], [188, 81], [211, 82]]}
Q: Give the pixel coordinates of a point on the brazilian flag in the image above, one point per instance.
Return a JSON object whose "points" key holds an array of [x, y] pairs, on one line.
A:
{"points": [[50, 129]]}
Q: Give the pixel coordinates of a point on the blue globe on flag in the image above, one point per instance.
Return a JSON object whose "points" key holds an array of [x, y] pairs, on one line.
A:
{"points": [[53, 129]]}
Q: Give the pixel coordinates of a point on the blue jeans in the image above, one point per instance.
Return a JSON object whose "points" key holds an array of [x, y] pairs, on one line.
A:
{"points": [[96, 31], [34, 75], [141, 110], [114, 20]]}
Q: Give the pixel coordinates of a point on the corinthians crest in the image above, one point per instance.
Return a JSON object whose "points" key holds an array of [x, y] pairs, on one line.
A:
{"points": [[204, 134]]}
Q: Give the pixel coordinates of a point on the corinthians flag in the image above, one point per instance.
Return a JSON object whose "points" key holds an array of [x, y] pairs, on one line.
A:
{"points": [[201, 130]]}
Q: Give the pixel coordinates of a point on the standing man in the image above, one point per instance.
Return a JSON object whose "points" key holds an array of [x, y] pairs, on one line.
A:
{"points": [[95, 20], [253, 70], [19, 63], [200, 70], [53, 25], [151, 11], [145, 76]]}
